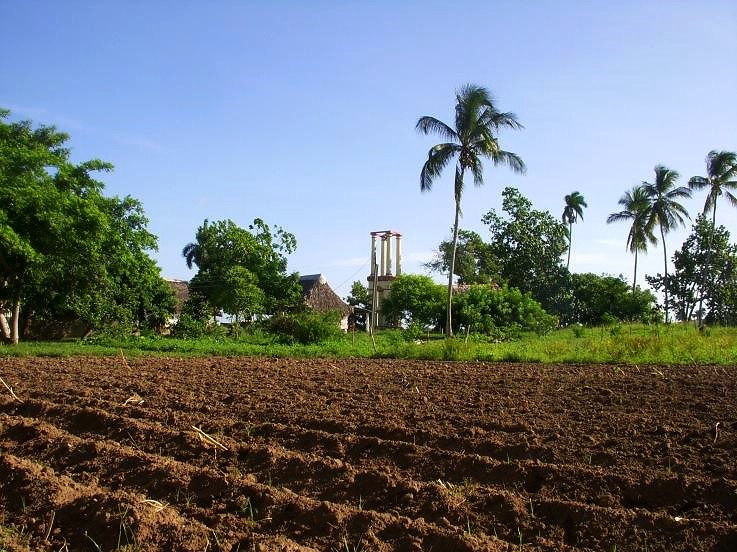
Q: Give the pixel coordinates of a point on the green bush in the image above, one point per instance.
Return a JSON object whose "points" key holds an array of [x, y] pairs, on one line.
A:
{"points": [[305, 327], [189, 327], [415, 299], [500, 312], [606, 300]]}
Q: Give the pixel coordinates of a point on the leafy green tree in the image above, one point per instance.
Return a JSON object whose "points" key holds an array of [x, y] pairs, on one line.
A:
{"points": [[243, 272], [597, 298], [720, 179], [528, 245], [474, 263], [415, 299], [636, 204], [571, 213], [705, 272], [665, 211], [473, 138], [67, 253]]}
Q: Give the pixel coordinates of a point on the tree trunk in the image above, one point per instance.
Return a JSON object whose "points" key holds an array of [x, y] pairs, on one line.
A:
{"points": [[449, 319], [634, 278], [708, 264], [15, 322], [665, 264], [570, 240]]}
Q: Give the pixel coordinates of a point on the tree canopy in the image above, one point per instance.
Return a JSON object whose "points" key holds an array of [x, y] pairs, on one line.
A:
{"points": [[705, 273], [243, 272], [67, 252], [528, 245]]}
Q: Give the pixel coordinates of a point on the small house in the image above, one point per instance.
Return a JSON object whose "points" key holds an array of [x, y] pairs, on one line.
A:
{"points": [[320, 297]]}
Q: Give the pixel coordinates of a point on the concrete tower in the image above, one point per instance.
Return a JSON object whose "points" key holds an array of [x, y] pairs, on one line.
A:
{"points": [[381, 275]]}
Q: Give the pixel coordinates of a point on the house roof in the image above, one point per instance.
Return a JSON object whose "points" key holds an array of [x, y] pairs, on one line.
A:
{"points": [[181, 292], [318, 295]]}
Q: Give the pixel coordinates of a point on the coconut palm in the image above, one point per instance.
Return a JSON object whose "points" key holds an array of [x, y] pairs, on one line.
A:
{"points": [[636, 205], [472, 138], [572, 212], [721, 179], [665, 211]]}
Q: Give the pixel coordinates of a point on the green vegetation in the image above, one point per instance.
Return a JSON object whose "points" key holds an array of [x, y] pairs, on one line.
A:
{"points": [[69, 256], [665, 212], [636, 204], [242, 272], [305, 327], [721, 179], [627, 344], [573, 211], [705, 276], [528, 245], [472, 138]]}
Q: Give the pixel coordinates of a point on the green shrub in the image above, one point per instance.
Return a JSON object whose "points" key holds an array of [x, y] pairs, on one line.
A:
{"points": [[189, 327], [305, 327], [500, 312]]}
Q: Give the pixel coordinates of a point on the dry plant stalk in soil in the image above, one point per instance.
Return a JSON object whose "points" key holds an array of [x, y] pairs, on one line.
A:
{"points": [[12, 393], [208, 439]]}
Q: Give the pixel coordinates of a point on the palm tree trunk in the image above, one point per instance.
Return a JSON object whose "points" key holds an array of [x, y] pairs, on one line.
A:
{"points": [[634, 278], [707, 271], [570, 240], [449, 320], [665, 264]]}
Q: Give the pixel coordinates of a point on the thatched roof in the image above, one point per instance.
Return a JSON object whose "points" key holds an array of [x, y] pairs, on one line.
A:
{"points": [[319, 296], [181, 292]]}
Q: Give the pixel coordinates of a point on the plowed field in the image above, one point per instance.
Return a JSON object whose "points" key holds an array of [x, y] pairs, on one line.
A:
{"points": [[365, 455]]}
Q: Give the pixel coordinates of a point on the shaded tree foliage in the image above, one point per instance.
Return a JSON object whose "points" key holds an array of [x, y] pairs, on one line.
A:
{"points": [[636, 204], [665, 212], [573, 211]]}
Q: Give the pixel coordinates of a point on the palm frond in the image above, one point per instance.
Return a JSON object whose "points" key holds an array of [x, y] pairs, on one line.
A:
{"points": [[698, 182], [512, 160], [477, 170], [497, 119], [428, 125], [472, 100], [437, 158], [731, 197], [618, 217]]}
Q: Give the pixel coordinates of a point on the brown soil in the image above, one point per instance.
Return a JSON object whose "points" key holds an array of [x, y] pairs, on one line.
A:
{"points": [[365, 455]]}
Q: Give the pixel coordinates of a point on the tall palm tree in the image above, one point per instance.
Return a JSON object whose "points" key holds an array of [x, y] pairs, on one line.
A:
{"points": [[636, 205], [721, 179], [572, 212], [473, 137], [721, 171], [665, 211]]}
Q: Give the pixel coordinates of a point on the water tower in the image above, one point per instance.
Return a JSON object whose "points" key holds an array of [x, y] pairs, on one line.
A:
{"points": [[381, 276]]}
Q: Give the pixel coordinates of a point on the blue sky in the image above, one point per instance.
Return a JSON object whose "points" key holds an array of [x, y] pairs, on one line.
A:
{"points": [[303, 113]]}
